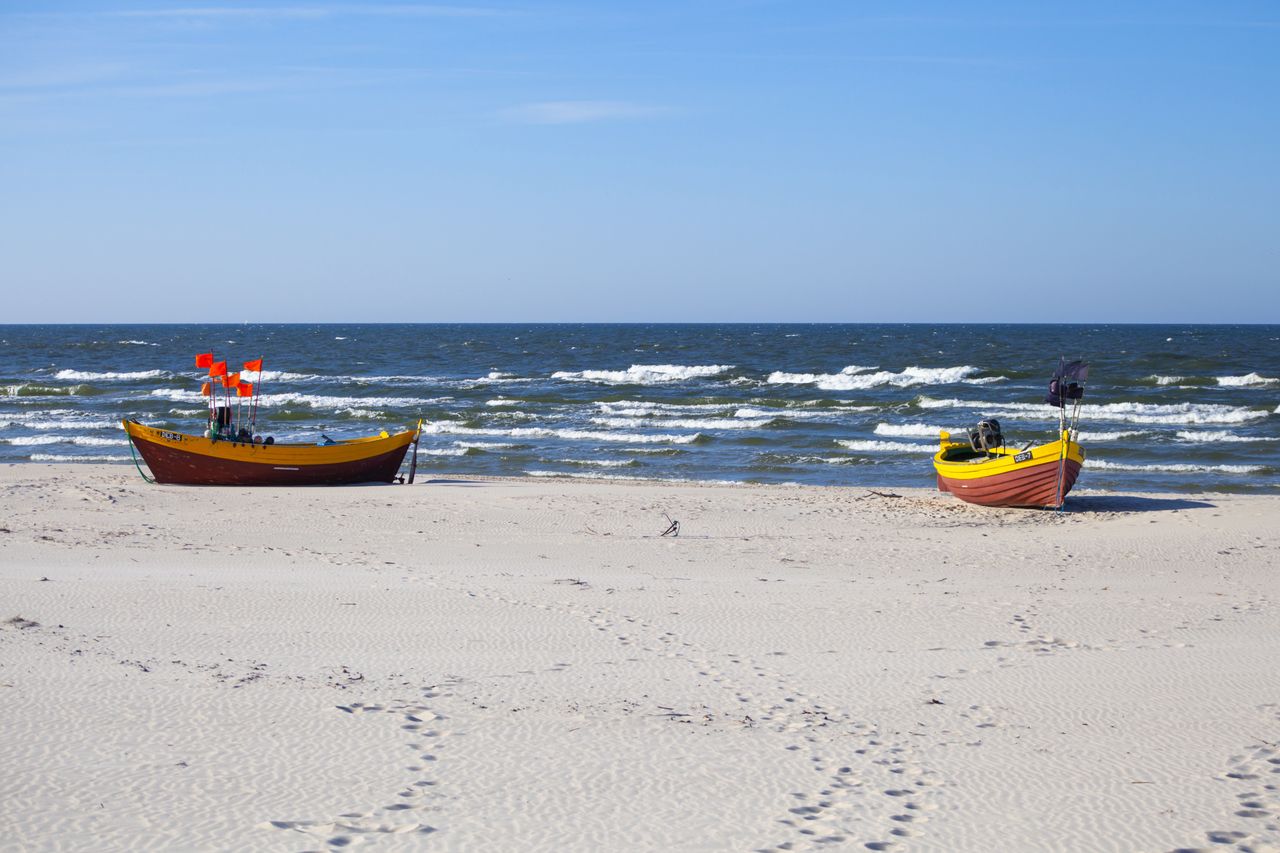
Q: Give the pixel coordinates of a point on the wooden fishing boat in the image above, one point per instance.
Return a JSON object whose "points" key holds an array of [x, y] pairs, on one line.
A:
{"points": [[1039, 476], [980, 469], [176, 457]]}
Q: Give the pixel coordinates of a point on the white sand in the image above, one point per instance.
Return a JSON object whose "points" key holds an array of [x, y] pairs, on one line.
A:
{"points": [[528, 666]]}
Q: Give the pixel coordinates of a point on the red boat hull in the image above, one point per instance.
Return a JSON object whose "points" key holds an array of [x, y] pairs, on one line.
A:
{"points": [[1036, 486]]}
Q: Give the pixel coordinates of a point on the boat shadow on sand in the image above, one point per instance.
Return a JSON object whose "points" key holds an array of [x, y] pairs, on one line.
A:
{"points": [[1132, 503]]}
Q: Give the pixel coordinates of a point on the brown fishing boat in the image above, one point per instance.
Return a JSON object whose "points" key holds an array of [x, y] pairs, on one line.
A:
{"points": [[231, 454], [194, 460]]}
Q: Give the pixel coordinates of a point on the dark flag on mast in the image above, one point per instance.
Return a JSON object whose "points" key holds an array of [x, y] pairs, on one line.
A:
{"points": [[1067, 382]]}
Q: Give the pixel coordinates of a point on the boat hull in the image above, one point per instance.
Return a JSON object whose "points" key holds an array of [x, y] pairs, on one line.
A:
{"points": [[178, 458], [1037, 477]]}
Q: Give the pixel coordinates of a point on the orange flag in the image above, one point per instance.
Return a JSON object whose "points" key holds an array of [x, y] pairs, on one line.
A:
{"points": [[218, 368], [244, 389], [256, 364], [205, 390], [231, 380], [204, 359]]}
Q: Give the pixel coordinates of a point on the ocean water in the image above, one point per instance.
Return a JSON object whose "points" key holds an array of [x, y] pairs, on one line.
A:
{"points": [[1167, 408]]}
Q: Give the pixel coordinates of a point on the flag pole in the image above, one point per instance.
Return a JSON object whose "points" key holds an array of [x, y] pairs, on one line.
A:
{"points": [[257, 393]]}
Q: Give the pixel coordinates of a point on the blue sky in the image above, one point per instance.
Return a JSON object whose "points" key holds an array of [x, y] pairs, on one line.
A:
{"points": [[682, 161]]}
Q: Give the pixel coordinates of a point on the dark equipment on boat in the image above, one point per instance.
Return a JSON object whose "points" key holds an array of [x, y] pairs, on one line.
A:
{"points": [[986, 436], [223, 417], [1067, 382]]}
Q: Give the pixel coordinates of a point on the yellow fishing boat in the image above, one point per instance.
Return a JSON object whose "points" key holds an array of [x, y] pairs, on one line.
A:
{"points": [[1002, 476], [980, 469]]}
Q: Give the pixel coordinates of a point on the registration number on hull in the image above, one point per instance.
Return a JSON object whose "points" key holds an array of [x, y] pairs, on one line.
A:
{"points": [[1024, 456]]}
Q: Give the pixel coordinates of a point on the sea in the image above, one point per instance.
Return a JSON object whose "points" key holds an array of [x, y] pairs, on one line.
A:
{"points": [[1166, 408]]}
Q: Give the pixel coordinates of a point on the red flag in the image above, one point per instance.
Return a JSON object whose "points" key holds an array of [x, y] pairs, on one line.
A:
{"points": [[205, 390], [204, 359], [244, 389], [254, 365], [230, 381], [218, 368]]}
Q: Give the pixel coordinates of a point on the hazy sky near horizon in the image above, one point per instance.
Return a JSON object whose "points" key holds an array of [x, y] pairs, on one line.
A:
{"points": [[657, 161]]}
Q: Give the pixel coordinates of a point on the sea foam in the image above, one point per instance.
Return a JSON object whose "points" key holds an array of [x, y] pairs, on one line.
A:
{"points": [[853, 378], [680, 423], [644, 374], [91, 376], [50, 457], [1118, 435], [912, 430], [82, 440], [1221, 437], [445, 428], [1249, 379], [871, 446], [1127, 412], [1175, 468]]}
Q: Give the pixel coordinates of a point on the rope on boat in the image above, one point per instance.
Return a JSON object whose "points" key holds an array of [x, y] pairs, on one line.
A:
{"points": [[136, 463]]}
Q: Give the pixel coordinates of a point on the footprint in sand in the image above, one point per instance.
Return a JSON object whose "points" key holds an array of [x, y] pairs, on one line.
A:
{"points": [[355, 827]]}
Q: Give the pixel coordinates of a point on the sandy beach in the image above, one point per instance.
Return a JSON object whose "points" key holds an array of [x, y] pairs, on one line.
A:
{"points": [[528, 665]]}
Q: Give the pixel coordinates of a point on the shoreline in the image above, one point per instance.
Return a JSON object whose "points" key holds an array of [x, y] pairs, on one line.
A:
{"points": [[519, 663], [428, 478]]}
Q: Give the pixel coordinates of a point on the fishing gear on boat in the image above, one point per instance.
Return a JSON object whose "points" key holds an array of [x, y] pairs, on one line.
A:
{"points": [[1066, 385], [986, 436]]}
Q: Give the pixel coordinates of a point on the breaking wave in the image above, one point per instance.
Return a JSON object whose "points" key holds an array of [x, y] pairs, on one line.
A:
{"points": [[91, 376], [680, 423], [1249, 379], [1137, 413], [871, 446], [912, 430], [644, 374], [11, 419], [315, 401], [600, 463], [82, 440], [444, 428], [854, 378], [583, 475], [1176, 468], [1220, 437], [52, 457], [1110, 436], [29, 389]]}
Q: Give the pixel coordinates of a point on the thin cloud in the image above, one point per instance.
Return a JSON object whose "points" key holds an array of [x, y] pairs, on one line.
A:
{"points": [[199, 84], [60, 76], [578, 112], [264, 13]]}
